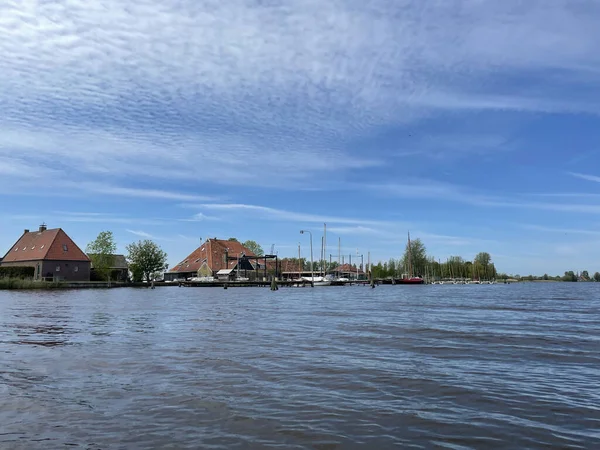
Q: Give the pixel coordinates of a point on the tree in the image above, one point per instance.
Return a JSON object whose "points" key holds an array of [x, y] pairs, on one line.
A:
{"points": [[102, 253], [569, 276], [145, 259], [483, 258], [585, 275], [233, 240], [482, 262], [597, 276], [254, 247], [418, 260]]}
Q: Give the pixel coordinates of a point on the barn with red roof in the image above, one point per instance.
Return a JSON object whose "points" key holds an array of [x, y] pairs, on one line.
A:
{"points": [[208, 260]]}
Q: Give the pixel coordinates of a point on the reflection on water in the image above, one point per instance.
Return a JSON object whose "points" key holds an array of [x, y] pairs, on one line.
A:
{"points": [[458, 367]]}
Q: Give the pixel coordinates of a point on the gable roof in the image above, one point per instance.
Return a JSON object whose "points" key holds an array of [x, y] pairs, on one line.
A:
{"points": [[347, 268], [53, 245], [212, 252]]}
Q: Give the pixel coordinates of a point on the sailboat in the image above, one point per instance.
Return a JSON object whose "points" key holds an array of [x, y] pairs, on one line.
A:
{"points": [[410, 278], [321, 280]]}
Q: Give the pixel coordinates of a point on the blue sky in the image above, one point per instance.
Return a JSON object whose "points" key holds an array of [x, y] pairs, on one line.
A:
{"points": [[474, 124]]}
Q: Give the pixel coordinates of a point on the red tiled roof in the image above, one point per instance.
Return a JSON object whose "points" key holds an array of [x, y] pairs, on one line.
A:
{"points": [[45, 245], [347, 268], [213, 253]]}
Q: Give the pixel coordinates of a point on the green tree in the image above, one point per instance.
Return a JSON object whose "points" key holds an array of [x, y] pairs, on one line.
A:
{"points": [[102, 253], [145, 259], [569, 276], [233, 240], [254, 247], [597, 276], [482, 262], [418, 259], [392, 268], [585, 275]]}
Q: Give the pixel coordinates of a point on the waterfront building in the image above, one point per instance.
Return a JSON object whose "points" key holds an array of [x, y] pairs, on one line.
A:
{"points": [[209, 260], [52, 253]]}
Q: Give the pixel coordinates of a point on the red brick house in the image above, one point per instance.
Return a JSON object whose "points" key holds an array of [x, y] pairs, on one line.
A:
{"points": [[208, 259], [52, 253]]}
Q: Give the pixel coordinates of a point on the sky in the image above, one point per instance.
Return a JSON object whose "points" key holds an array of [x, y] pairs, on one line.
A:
{"points": [[473, 124]]}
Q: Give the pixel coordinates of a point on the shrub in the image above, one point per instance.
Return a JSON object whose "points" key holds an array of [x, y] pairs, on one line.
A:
{"points": [[15, 283], [17, 272]]}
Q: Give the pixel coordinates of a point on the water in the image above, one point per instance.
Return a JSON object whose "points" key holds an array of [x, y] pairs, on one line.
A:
{"points": [[456, 367]]}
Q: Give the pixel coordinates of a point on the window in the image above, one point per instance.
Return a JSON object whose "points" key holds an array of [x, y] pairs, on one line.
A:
{"points": [[57, 269], [24, 248], [76, 269], [17, 249], [198, 260], [42, 247], [33, 248], [64, 247]]}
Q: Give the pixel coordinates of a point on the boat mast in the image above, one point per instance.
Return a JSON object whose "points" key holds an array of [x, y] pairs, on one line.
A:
{"points": [[325, 248], [409, 258], [322, 254], [299, 263], [339, 255]]}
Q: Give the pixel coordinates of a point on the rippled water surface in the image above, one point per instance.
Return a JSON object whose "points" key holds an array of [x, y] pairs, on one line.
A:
{"points": [[504, 366]]}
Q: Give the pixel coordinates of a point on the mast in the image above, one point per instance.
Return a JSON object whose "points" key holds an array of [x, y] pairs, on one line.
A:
{"points": [[299, 263], [322, 254], [325, 248], [409, 258], [339, 255]]}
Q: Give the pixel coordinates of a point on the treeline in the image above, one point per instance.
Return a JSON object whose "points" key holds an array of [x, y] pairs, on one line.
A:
{"points": [[293, 264], [421, 264], [569, 276]]}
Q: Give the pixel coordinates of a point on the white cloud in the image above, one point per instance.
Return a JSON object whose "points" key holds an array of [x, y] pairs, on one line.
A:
{"points": [[561, 230], [428, 189], [141, 234], [243, 92], [146, 193], [283, 215], [584, 176], [359, 230]]}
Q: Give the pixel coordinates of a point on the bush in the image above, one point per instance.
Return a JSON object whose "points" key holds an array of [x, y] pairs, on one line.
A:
{"points": [[17, 272], [15, 283]]}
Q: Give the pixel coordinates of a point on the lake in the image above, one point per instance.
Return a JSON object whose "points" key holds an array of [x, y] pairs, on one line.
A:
{"points": [[457, 367]]}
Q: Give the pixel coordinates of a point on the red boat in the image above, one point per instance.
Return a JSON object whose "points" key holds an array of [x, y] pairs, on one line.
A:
{"points": [[411, 280]]}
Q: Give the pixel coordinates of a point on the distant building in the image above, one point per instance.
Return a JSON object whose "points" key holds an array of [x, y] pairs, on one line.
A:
{"points": [[208, 260], [118, 272], [349, 271], [52, 253]]}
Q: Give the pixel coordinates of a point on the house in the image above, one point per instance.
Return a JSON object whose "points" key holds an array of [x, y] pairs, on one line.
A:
{"points": [[208, 260], [52, 253], [119, 271], [349, 271]]}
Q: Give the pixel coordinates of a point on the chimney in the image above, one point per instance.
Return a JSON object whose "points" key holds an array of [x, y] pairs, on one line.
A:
{"points": [[26, 231], [43, 227]]}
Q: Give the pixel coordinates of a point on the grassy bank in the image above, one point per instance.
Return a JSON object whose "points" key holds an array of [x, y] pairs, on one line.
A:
{"points": [[16, 283]]}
